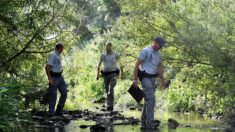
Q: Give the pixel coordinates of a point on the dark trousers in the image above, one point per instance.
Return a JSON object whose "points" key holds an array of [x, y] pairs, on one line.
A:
{"points": [[110, 82], [58, 83]]}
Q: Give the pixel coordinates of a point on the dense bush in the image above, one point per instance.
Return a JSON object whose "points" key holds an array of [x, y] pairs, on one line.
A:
{"points": [[198, 59]]}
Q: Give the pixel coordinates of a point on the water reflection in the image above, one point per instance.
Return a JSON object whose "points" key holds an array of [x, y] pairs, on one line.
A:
{"points": [[189, 123], [126, 128]]}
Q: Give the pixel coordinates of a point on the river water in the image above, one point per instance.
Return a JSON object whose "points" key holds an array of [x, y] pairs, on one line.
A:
{"points": [[189, 123]]}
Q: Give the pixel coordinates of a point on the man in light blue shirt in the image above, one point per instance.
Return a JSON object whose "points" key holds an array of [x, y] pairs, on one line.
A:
{"points": [[56, 80], [147, 68]]}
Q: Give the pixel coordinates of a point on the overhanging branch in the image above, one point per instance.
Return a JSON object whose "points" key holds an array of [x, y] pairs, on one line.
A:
{"points": [[31, 40], [191, 62], [41, 52]]}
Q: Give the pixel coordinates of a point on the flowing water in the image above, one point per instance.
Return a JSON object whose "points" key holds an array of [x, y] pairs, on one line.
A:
{"points": [[189, 123]]}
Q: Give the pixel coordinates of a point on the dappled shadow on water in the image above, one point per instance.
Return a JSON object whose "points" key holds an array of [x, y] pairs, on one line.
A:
{"points": [[102, 120], [116, 121]]}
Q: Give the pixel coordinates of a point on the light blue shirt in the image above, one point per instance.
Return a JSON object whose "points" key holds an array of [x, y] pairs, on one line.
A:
{"points": [[151, 59], [54, 60], [109, 61]]}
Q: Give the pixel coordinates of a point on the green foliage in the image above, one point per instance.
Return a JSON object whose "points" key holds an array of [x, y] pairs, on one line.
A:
{"points": [[200, 47], [8, 113], [201, 87], [10, 106], [29, 31], [199, 58], [122, 97], [81, 70]]}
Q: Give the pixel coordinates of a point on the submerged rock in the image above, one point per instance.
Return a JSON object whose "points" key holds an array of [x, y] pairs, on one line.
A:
{"points": [[103, 109], [102, 118], [114, 113], [188, 125], [200, 111], [172, 123], [83, 126], [134, 121], [97, 128], [157, 121]]}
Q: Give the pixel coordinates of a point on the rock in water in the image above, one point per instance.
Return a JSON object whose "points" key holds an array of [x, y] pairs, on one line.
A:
{"points": [[83, 126], [97, 128], [172, 123], [157, 121]]}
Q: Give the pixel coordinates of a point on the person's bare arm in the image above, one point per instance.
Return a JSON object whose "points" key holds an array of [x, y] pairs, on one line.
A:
{"points": [[121, 71], [98, 68], [48, 69], [136, 69], [98, 71]]}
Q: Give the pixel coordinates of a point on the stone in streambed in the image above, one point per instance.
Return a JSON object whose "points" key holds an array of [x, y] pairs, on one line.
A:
{"points": [[83, 126], [172, 123], [97, 128]]}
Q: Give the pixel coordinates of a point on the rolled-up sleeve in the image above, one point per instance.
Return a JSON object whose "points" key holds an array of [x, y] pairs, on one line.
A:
{"points": [[102, 58], [142, 55], [51, 59]]}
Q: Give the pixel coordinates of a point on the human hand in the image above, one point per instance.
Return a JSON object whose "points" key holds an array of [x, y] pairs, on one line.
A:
{"points": [[164, 84], [50, 81], [135, 82]]}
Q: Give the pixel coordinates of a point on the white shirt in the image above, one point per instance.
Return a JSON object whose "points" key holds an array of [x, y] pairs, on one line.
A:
{"points": [[109, 61], [54, 60], [151, 59]]}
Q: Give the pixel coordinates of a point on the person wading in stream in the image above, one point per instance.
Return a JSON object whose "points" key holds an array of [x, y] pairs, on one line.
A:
{"points": [[56, 80], [147, 68], [110, 73]]}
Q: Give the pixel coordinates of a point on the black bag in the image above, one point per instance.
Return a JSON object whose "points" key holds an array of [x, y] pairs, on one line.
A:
{"points": [[136, 93]]}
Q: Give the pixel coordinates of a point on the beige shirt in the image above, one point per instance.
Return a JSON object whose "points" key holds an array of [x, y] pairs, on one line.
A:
{"points": [[109, 61]]}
